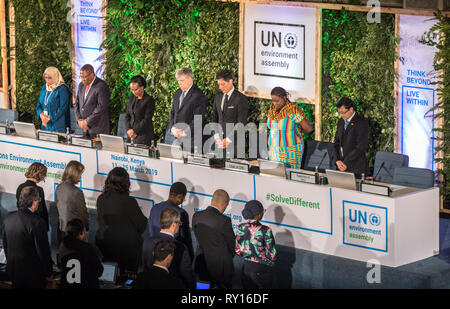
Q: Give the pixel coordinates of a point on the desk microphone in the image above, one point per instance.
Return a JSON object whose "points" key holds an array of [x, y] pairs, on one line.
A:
{"points": [[379, 169]]}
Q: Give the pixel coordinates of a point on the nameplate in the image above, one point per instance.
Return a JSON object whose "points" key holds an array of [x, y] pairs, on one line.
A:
{"points": [[49, 137], [198, 161], [303, 177], [375, 189], [238, 167], [83, 142], [139, 151], [3, 130]]}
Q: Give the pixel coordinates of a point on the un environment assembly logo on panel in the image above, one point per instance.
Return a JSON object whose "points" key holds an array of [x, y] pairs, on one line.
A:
{"points": [[279, 50], [365, 226]]}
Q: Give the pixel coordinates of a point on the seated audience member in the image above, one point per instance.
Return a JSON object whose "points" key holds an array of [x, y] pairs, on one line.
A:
{"points": [[70, 199], [29, 263], [139, 114], [35, 174], [54, 102], [120, 222], [74, 246], [216, 242], [256, 244], [177, 195], [182, 263], [158, 276]]}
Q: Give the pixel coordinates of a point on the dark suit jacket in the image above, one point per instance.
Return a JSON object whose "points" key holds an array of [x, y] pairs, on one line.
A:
{"points": [[95, 107], [354, 142], [86, 254], [184, 235], [27, 250], [42, 209], [120, 226], [216, 243], [181, 266], [234, 112], [193, 104], [139, 117], [157, 278]]}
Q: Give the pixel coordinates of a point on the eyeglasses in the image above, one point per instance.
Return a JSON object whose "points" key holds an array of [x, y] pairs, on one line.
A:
{"points": [[343, 112]]}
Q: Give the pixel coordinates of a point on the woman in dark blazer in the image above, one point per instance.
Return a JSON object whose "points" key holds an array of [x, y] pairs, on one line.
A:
{"points": [[35, 174], [120, 222], [139, 114]]}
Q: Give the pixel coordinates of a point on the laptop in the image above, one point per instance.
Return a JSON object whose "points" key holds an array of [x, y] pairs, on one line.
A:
{"points": [[25, 129], [170, 151], [112, 143], [272, 168], [109, 275], [342, 180]]}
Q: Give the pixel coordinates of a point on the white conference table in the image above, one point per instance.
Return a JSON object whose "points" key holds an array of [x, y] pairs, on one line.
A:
{"points": [[391, 230]]}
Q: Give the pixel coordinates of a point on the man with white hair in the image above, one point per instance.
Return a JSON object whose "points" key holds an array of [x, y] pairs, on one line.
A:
{"points": [[188, 102]]}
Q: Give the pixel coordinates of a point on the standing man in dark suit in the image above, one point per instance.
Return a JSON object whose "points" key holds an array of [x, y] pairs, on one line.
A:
{"points": [[139, 114], [216, 241], [351, 139], [29, 262], [182, 263], [189, 103], [158, 276], [91, 105], [230, 108]]}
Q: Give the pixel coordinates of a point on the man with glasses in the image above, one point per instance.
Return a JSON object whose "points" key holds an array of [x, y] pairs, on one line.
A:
{"points": [[351, 139], [170, 222], [91, 105], [177, 195]]}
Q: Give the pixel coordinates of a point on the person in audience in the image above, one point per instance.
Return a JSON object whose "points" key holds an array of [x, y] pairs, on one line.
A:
{"points": [[69, 199], [182, 263], [287, 124], [54, 102], [256, 244], [29, 262], [158, 276], [139, 114], [230, 107], [177, 195], [351, 139], [120, 222], [188, 102], [36, 173], [216, 242], [74, 246], [91, 105]]}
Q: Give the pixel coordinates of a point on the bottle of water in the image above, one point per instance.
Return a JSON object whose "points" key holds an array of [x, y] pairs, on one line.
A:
{"points": [[362, 181], [68, 139], [317, 175], [7, 127]]}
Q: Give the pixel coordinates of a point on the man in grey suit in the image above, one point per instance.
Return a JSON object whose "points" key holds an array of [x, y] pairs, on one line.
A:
{"points": [[91, 105]]}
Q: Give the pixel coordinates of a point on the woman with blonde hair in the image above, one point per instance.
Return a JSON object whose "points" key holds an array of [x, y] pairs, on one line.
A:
{"points": [[69, 199], [54, 102], [35, 174]]}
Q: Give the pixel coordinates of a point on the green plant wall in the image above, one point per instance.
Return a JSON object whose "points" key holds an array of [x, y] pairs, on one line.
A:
{"points": [[43, 39]]}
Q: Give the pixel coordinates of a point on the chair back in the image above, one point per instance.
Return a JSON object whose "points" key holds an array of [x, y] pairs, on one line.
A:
{"points": [[414, 177], [318, 153], [385, 163]]}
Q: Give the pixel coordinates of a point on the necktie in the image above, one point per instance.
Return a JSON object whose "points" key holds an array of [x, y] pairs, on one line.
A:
{"points": [[181, 98], [225, 102], [346, 122]]}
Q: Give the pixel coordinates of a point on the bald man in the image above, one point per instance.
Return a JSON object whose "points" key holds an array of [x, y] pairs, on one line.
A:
{"points": [[216, 240]]}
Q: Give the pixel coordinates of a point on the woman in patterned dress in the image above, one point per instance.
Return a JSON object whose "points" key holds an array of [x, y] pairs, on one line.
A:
{"points": [[256, 245], [287, 124]]}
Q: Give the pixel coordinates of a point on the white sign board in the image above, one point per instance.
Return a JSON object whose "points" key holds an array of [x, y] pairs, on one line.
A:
{"points": [[280, 50]]}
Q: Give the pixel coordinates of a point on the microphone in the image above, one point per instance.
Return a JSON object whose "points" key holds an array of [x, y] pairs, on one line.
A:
{"points": [[379, 169], [321, 161]]}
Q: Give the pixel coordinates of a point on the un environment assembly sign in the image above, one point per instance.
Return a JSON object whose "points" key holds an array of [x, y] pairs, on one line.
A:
{"points": [[280, 50]]}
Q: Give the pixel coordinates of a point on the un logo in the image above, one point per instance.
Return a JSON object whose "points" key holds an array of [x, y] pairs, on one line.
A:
{"points": [[374, 219], [290, 40]]}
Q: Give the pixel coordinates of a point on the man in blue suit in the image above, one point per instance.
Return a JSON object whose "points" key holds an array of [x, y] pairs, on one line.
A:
{"points": [[177, 195], [181, 266], [188, 102]]}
